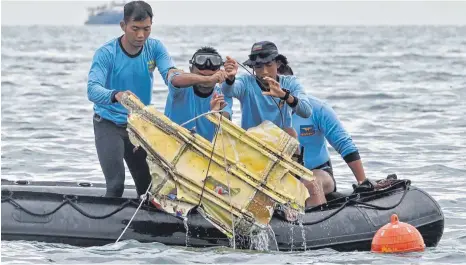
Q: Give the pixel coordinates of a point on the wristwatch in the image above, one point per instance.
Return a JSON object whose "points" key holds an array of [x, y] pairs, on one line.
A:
{"points": [[287, 94], [294, 103], [230, 82]]}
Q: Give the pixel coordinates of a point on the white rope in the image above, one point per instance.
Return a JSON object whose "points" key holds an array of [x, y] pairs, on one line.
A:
{"points": [[142, 201], [228, 182], [204, 114], [225, 162]]}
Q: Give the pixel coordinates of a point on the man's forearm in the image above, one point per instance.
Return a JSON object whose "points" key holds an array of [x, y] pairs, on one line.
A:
{"points": [[358, 170], [99, 94], [188, 80]]}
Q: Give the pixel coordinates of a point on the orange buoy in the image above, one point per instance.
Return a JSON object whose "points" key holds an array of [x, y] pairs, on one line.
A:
{"points": [[397, 237]]}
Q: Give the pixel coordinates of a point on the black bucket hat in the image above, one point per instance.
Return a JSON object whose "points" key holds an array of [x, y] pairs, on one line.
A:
{"points": [[261, 53]]}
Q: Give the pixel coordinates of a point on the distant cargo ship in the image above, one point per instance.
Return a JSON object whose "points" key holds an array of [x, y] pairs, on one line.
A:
{"points": [[111, 13]]}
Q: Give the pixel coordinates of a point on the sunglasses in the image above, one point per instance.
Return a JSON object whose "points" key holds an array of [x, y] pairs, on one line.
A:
{"points": [[253, 57]]}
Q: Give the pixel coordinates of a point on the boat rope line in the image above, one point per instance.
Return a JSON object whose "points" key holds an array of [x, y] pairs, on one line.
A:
{"points": [[377, 207], [143, 199], [66, 201], [356, 201], [356, 196], [69, 200]]}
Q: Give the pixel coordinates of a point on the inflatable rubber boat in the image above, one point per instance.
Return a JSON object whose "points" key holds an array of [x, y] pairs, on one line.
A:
{"points": [[78, 214]]}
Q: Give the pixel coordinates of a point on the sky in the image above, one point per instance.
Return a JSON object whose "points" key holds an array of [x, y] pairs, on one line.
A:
{"points": [[249, 12]]}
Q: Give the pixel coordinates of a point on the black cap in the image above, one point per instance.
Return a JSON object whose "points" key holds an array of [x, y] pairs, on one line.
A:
{"points": [[261, 53]]}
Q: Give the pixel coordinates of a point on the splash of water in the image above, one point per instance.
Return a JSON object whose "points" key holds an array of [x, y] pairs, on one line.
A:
{"points": [[303, 232], [292, 237], [269, 228], [185, 222], [259, 241], [300, 220]]}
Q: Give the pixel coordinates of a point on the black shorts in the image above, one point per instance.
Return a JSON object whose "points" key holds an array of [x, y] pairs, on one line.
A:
{"points": [[327, 167]]}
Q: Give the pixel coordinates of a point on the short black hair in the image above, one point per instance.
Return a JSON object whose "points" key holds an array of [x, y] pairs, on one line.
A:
{"points": [[207, 49], [137, 11]]}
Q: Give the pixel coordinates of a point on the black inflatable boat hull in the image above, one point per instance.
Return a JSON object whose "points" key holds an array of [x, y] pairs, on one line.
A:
{"points": [[76, 214]]}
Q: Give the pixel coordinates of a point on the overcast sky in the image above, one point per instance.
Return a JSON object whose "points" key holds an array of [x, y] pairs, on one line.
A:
{"points": [[248, 12]]}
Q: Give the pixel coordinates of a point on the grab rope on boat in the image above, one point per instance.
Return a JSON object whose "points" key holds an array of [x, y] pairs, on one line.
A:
{"points": [[349, 200], [356, 201], [67, 200]]}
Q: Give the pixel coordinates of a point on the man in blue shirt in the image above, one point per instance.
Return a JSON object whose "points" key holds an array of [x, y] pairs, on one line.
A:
{"points": [[264, 94], [313, 134], [124, 64], [192, 94]]}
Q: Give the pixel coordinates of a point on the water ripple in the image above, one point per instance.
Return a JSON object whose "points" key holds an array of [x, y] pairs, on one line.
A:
{"points": [[399, 91]]}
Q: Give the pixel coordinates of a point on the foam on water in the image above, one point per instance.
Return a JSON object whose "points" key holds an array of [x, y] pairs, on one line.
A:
{"points": [[263, 239]]}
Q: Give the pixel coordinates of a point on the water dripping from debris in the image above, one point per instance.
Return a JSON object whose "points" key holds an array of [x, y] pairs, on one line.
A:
{"points": [[303, 231], [292, 237], [273, 236], [185, 222]]}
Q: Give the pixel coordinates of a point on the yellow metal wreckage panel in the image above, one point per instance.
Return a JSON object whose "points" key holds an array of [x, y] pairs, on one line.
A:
{"points": [[258, 172], [167, 147], [189, 167], [277, 173], [283, 152]]}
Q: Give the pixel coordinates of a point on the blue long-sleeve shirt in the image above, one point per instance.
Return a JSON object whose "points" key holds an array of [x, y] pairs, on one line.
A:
{"points": [[114, 70], [183, 104], [257, 108], [314, 132]]}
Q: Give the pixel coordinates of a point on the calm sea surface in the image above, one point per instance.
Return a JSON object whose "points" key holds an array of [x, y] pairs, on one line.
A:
{"points": [[400, 92]]}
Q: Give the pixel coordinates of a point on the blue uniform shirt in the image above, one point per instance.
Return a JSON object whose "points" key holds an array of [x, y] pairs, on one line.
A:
{"points": [[183, 105], [114, 70], [257, 108], [314, 132]]}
